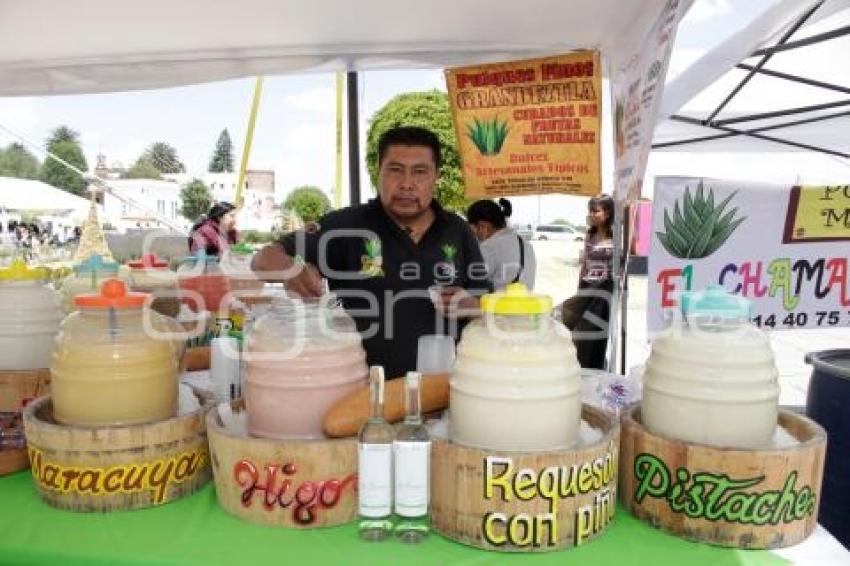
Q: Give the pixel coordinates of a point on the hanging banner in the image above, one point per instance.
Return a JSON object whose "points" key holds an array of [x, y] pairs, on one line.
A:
{"points": [[529, 127], [751, 238], [638, 86]]}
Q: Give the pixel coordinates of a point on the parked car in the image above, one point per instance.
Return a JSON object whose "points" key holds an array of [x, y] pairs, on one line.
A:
{"points": [[524, 231], [557, 232]]}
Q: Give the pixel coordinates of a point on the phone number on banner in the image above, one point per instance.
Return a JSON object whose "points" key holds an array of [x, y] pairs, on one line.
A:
{"points": [[803, 319]]}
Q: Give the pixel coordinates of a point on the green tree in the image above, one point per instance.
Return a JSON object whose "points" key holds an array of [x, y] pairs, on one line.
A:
{"points": [[164, 157], [196, 199], [222, 157], [143, 168], [65, 144], [63, 133], [428, 110], [308, 202], [16, 161]]}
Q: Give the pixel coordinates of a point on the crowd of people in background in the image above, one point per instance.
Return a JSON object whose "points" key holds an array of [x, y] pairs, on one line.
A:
{"points": [[26, 237]]}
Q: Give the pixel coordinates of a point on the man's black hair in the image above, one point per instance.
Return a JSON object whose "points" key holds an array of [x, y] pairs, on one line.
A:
{"points": [[410, 136]]}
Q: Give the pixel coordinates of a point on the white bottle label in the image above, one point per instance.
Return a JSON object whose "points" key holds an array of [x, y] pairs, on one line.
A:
{"points": [[374, 479], [412, 478]]}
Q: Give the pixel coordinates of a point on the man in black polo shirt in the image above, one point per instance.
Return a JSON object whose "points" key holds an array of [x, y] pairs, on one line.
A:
{"points": [[380, 258]]}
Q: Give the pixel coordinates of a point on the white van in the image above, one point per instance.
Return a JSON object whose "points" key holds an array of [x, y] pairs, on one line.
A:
{"points": [[557, 232]]}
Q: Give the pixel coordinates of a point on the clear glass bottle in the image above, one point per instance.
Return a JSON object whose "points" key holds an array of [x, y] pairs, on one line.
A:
{"points": [[412, 459], [375, 465]]}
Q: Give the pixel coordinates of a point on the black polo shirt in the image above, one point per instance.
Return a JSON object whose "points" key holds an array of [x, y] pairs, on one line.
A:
{"points": [[382, 276]]}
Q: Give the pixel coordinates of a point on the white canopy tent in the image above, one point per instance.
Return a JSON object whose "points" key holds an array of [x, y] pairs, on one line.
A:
{"points": [[49, 47], [35, 197], [745, 111]]}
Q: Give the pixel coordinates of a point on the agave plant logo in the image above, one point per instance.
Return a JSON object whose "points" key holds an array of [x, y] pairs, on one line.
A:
{"points": [[449, 252], [700, 227], [445, 271], [488, 135], [371, 263]]}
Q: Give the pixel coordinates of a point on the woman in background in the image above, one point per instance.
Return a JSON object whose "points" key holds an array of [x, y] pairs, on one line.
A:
{"points": [[215, 232], [508, 257], [595, 284]]}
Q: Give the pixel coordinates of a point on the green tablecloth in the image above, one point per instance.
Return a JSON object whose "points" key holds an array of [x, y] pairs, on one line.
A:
{"points": [[195, 530]]}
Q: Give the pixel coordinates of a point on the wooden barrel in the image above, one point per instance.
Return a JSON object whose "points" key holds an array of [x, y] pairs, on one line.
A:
{"points": [[19, 387], [285, 483], [527, 502], [764, 498], [13, 460], [114, 468]]}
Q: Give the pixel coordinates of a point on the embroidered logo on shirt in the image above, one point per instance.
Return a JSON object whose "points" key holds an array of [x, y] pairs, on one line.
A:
{"points": [[371, 262], [445, 271]]}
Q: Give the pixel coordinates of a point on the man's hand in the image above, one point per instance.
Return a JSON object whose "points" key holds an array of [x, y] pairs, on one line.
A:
{"points": [[274, 265], [456, 302]]}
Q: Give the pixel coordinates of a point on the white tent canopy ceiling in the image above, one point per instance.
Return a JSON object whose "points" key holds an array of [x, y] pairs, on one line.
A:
{"points": [[49, 47], [780, 85], [24, 195]]}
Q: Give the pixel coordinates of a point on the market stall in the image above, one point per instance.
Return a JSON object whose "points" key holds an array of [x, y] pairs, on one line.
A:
{"points": [[529, 463]]}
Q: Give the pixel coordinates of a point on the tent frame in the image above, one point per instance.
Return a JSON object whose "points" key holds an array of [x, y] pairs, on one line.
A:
{"points": [[783, 44]]}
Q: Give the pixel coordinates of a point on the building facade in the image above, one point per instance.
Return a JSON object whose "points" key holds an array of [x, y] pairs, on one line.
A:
{"points": [[142, 204]]}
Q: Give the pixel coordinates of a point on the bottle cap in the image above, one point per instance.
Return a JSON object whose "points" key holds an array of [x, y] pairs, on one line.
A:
{"points": [[148, 261], [516, 300], [19, 271], [113, 294], [714, 301], [96, 263]]}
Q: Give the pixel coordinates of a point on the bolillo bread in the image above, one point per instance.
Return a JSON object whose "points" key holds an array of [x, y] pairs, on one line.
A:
{"points": [[196, 358], [347, 415]]}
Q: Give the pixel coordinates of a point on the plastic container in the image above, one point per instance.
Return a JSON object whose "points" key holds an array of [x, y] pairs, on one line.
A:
{"points": [[712, 378], [827, 403], [301, 357], [515, 384], [435, 354], [151, 275], [87, 278], [225, 368], [115, 363], [236, 264], [30, 313], [206, 286]]}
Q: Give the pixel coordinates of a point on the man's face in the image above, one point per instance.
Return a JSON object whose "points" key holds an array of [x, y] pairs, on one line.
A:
{"points": [[407, 177]]}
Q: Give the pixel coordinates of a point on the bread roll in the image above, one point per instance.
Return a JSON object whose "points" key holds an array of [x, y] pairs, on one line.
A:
{"points": [[348, 414], [196, 358]]}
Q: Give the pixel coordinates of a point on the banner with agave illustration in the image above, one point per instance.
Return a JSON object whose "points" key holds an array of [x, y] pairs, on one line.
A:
{"points": [[529, 127], [752, 238]]}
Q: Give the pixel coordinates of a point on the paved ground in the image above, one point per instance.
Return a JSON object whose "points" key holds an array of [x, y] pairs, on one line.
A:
{"points": [[557, 275]]}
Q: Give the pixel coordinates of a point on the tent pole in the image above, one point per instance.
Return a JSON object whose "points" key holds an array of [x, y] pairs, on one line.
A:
{"points": [[249, 140], [765, 58], [743, 132], [624, 301], [760, 136], [353, 139], [781, 113], [616, 274], [840, 32], [794, 78]]}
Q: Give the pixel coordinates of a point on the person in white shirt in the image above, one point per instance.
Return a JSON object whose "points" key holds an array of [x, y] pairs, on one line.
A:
{"points": [[509, 258]]}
